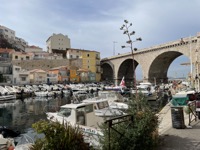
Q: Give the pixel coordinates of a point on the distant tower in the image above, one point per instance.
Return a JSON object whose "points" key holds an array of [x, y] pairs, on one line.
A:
{"points": [[58, 42]]}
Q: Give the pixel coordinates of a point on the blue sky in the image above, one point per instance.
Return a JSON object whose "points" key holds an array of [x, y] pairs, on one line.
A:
{"points": [[94, 24]]}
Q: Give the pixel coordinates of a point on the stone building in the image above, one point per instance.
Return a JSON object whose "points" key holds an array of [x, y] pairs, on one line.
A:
{"points": [[58, 41]]}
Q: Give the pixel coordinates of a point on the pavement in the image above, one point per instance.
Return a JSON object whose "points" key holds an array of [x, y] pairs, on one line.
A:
{"points": [[177, 139]]}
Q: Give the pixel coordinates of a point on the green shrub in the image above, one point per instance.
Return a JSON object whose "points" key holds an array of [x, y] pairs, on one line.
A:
{"points": [[142, 134], [58, 137]]}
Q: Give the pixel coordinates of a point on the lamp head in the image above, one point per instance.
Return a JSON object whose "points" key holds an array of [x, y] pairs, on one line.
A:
{"points": [[123, 46]]}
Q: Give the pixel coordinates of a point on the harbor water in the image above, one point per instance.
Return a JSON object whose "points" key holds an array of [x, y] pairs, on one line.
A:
{"points": [[20, 114]]}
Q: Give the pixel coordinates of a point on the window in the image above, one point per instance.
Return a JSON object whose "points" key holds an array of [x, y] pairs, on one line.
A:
{"points": [[17, 69], [89, 108], [77, 56], [88, 55], [65, 112], [21, 58], [71, 56], [27, 58], [16, 57], [23, 78]]}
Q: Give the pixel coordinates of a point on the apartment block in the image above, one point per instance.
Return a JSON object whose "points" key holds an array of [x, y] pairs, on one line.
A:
{"points": [[58, 42], [7, 33], [90, 60]]}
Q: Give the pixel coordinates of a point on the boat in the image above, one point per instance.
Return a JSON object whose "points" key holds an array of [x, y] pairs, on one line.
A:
{"points": [[6, 143], [5, 94], [43, 93], [147, 89], [87, 116]]}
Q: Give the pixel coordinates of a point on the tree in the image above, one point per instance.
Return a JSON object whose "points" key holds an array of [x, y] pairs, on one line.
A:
{"points": [[58, 136], [140, 135]]}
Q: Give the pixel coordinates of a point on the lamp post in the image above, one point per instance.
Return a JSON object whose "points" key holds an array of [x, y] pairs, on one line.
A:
{"points": [[125, 27], [114, 47]]}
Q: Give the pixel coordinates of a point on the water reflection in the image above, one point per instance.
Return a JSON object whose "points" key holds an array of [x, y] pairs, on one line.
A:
{"points": [[21, 114]]}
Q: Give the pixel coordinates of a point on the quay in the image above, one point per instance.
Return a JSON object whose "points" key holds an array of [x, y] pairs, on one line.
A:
{"points": [[177, 139]]}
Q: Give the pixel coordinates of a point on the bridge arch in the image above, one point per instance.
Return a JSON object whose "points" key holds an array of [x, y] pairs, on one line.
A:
{"points": [[107, 72], [160, 65], [126, 70]]}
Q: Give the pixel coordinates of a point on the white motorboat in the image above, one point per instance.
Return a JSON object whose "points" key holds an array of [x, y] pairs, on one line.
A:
{"points": [[147, 89], [6, 143], [87, 115], [81, 115], [5, 94], [113, 98], [44, 93]]}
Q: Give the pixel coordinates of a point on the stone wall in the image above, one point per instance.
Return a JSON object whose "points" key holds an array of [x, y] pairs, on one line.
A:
{"points": [[46, 64]]}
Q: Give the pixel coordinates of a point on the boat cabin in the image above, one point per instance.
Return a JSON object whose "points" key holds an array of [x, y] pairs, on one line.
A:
{"points": [[81, 114]]}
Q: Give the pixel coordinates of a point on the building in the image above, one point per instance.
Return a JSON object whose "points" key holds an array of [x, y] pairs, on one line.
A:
{"points": [[33, 49], [20, 76], [12, 39], [62, 74], [58, 42], [5, 65], [22, 56], [38, 76], [7, 33], [90, 61]]}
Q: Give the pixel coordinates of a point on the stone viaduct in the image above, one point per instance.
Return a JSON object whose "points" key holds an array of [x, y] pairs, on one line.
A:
{"points": [[154, 61]]}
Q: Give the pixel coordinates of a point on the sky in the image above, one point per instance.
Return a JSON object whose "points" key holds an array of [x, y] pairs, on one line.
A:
{"points": [[95, 24]]}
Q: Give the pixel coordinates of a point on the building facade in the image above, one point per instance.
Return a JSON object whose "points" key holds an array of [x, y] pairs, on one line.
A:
{"points": [[58, 42], [22, 56], [20, 76], [62, 74], [7, 33], [38, 76], [33, 49], [90, 61]]}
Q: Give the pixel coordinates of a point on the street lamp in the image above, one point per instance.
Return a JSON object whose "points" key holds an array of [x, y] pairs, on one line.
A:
{"points": [[125, 27], [114, 47]]}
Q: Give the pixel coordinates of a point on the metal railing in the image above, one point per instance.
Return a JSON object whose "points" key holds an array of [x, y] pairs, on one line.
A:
{"points": [[192, 111]]}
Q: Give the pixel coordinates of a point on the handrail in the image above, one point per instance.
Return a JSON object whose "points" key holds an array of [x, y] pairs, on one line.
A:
{"points": [[192, 111]]}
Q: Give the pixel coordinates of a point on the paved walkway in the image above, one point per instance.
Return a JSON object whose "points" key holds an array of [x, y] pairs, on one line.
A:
{"points": [[178, 139]]}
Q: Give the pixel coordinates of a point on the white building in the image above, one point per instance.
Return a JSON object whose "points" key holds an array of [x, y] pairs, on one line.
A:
{"points": [[20, 76], [8, 33], [58, 42], [73, 53], [22, 41]]}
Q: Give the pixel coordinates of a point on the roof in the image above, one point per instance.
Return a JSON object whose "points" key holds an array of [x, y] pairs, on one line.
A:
{"points": [[57, 68], [8, 50], [33, 46], [74, 106], [83, 50], [37, 70], [83, 70]]}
